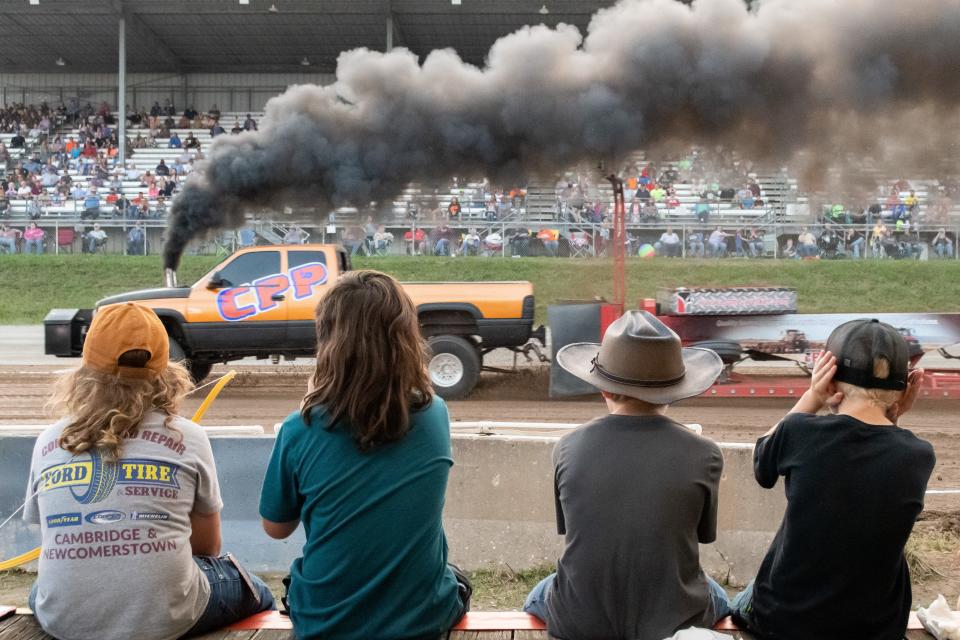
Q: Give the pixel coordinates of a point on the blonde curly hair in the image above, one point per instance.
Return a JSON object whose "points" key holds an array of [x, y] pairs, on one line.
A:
{"points": [[104, 410]]}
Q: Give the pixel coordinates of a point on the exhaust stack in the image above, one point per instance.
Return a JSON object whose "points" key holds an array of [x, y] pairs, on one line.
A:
{"points": [[170, 277]]}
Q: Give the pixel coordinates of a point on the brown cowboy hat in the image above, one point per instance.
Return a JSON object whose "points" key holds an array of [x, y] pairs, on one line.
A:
{"points": [[642, 358]]}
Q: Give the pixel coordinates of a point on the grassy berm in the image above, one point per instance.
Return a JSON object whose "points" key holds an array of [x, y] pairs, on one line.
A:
{"points": [[32, 285]]}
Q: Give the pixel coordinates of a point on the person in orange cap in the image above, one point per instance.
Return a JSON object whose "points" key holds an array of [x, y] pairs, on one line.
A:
{"points": [[126, 495]]}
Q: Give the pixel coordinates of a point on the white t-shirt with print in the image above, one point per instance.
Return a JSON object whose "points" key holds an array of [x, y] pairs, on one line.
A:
{"points": [[116, 560]]}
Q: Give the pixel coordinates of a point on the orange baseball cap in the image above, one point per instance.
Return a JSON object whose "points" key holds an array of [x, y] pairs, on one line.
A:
{"points": [[119, 328]]}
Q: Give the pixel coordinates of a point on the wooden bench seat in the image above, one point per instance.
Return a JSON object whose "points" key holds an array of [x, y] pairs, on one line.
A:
{"points": [[476, 625]]}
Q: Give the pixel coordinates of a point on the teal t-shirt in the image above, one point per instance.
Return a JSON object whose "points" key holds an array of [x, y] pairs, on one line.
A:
{"points": [[374, 564]]}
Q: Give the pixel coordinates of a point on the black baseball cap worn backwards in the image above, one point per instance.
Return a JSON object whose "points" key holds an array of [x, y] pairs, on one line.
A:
{"points": [[856, 344]]}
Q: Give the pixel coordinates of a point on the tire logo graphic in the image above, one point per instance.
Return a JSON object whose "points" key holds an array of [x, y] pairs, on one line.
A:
{"points": [[108, 516], [102, 480]]}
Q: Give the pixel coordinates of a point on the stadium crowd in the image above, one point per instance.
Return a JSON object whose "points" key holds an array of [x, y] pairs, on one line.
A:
{"points": [[63, 160]]}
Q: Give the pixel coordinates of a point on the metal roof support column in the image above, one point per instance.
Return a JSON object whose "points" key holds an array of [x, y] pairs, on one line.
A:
{"points": [[122, 96]]}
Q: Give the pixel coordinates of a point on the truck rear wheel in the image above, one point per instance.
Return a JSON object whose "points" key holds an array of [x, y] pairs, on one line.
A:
{"points": [[454, 366], [199, 370]]}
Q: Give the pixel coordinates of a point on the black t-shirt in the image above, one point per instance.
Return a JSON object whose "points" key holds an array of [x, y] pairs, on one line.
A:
{"points": [[634, 497], [836, 567]]}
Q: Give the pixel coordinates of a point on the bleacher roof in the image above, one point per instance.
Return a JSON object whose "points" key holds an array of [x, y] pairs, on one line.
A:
{"points": [[228, 36]]}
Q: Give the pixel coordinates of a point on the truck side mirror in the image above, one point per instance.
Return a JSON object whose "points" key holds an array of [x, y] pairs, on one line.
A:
{"points": [[216, 281]]}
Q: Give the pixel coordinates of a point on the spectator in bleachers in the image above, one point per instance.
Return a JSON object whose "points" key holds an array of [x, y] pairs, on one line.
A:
{"points": [[695, 245], [789, 250], [442, 238], [911, 202], [829, 242], [95, 239], [717, 243], [807, 244], [136, 240], [658, 194], [50, 176], [453, 209], [669, 244], [174, 141], [214, 111], [237, 129], [369, 231], [745, 197], [167, 187], [250, 124], [34, 210], [163, 169], [855, 243], [33, 239], [702, 210], [877, 238], [550, 239], [470, 245], [943, 244], [382, 240], [140, 206], [91, 205], [190, 113], [155, 113], [216, 129], [8, 239], [642, 194], [416, 241], [649, 213], [246, 237], [755, 242], [741, 242], [354, 238], [191, 142], [18, 141]]}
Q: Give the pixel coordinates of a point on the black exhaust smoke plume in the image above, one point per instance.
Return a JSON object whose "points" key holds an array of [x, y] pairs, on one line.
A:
{"points": [[776, 79]]}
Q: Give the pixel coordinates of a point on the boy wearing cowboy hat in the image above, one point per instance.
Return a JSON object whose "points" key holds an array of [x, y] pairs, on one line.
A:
{"points": [[635, 492]]}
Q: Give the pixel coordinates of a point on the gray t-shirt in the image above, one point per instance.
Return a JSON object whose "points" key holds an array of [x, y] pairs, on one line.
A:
{"points": [[116, 534], [634, 497]]}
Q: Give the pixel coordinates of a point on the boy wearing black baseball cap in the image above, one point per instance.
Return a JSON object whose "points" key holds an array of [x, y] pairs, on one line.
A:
{"points": [[855, 484]]}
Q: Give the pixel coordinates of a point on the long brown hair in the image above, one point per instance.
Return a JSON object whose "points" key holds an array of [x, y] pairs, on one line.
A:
{"points": [[104, 410], [371, 359]]}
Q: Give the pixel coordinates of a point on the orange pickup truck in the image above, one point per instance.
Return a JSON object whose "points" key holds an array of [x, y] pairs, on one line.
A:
{"points": [[259, 302]]}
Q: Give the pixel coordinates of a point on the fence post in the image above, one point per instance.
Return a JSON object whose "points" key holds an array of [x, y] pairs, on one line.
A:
{"points": [[56, 237]]}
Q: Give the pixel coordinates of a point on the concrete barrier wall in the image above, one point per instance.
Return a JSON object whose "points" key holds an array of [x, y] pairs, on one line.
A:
{"points": [[499, 505]]}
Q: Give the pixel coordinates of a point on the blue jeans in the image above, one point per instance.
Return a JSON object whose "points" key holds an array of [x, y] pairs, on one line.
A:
{"points": [[856, 248], [742, 605], [230, 599], [34, 245], [536, 603], [944, 250]]}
